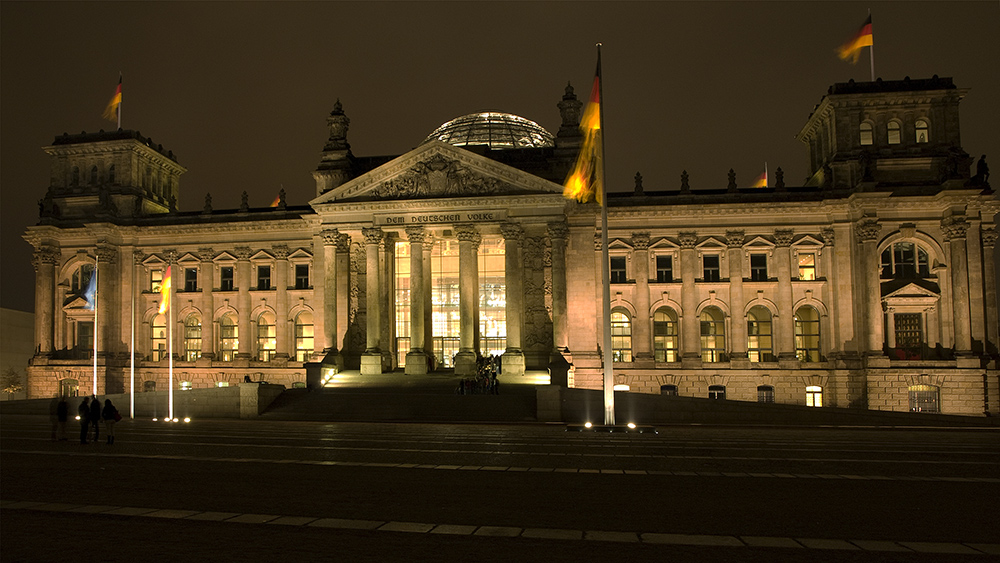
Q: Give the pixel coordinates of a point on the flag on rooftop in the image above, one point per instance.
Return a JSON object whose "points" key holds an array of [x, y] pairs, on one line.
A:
{"points": [[761, 181], [585, 181], [165, 292], [277, 200], [90, 294], [111, 112], [863, 38]]}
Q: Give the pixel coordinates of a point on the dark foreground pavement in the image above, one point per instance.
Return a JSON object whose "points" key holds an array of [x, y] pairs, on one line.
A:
{"points": [[233, 490]]}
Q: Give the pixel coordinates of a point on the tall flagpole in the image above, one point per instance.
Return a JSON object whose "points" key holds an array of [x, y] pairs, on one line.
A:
{"points": [[121, 100], [609, 379], [170, 352], [97, 285], [871, 48], [131, 367]]}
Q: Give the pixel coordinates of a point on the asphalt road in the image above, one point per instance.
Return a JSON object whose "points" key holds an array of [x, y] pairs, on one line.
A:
{"points": [[301, 491]]}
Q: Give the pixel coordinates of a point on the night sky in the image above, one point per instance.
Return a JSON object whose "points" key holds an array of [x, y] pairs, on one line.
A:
{"points": [[240, 91]]}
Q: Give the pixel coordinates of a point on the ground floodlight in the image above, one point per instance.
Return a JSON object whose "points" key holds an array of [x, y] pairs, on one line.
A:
{"points": [[587, 425], [631, 425], [175, 420], [155, 420], [187, 419], [78, 417]]}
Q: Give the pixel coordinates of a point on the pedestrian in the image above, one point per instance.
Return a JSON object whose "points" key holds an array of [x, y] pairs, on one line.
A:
{"points": [[111, 416], [62, 414], [95, 416], [84, 412]]}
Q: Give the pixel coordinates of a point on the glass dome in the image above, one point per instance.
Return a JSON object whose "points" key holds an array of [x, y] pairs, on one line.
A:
{"points": [[494, 129]]}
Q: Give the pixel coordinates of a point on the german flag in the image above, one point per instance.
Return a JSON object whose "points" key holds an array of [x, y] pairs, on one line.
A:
{"points": [[165, 292], [111, 112], [761, 181], [863, 38], [585, 181]]}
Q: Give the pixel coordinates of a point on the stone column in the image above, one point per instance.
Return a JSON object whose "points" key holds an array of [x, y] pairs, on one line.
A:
{"points": [[343, 295], [786, 316], [416, 359], [738, 344], [371, 360], [283, 332], [989, 238], [690, 327], [558, 234], [104, 332], [476, 342], [468, 279], [955, 231], [867, 231], [243, 283], [44, 261], [977, 306], [642, 343], [513, 358], [330, 240], [428, 247], [890, 321], [208, 302], [387, 273]]}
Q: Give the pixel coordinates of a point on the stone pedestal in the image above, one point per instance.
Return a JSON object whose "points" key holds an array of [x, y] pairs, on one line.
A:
{"points": [[416, 363], [465, 363], [371, 363], [513, 363]]}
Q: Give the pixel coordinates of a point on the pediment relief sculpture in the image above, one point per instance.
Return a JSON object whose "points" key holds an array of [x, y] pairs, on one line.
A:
{"points": [[440, 177]]}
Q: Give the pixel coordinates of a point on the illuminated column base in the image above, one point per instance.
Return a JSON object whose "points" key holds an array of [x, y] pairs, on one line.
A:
{"points": [[513, 363], [371, 363], [465, 363], [416, 363]]}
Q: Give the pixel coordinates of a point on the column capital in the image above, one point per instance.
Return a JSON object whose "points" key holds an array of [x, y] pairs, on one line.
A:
{"points": [[138, 256], [867, 229], [330, 236], [45, 254], [828, 236], [735, 239], [687, 239], [170, 255], [511, 231], [954, 227], [783, 237], [105, 254], [280, 251], [989, 235], [640, 241], [558, 230], [243, 253], [415, 234], [373, 235], [598, 240], [466, 232]]}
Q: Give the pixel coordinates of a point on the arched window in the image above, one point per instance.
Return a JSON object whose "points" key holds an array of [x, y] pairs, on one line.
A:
{"points": [[922, 131], [621, 336], [892, 129], [905, 260], [74, 179], [866, 134], [717, 392], [80, 279], [229, 333], [807, 334], [303, 336], [665, 335], [713, 335], [69, 388], [765, 394], [668, 390], [266, 337], [192, 337], [925, 398], [158, 338], [759, 344], [93, 176], [814, 396], [148, 385], [111, 174]]}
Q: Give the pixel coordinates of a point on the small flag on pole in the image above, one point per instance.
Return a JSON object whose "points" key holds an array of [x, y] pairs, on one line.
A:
{"points": [[585, 182], [277, 200], [165, 292], [863, 38], [761, 181], [90, 294], [111, 112]]}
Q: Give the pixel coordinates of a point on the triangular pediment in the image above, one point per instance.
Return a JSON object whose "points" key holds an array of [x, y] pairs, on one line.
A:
{"points": [[224, 256], [759, 243], [188, 258], [663, 244], [76, 302], [300, 254], [153, 261], [808, 241], [436, 170], [262, 255], [619, 244], [911, 290], [711, 243]]}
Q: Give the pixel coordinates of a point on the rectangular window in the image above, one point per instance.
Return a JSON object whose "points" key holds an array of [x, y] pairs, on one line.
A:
{"points": [[263, 277], [765, 394], [302, 276], [190, 279], [758, 267], [155, 279], [226, 278], [710, 263], [814, 396], [664, 269], [807, 267], [909, 336], [618, 269]]}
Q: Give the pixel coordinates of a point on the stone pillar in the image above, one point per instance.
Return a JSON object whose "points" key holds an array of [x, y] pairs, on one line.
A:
{"points": [[428, 247], [468, 280], [642, 342], [977, 306], [989, 239], [955, 231], [738, 343], [558, 234], [387, 273], [416, 359], [690, 327], [476, 343], [243, 284], [330, 240], [343, 294], [371, 360], [208, 302], [104, 332], [786, 316], [513, 358], [867, 231], [283, 332], [44, 261]]}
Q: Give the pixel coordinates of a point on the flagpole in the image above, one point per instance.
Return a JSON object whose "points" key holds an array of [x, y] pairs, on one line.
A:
{"points": [[96, 292], [609, 380], [871, 48], [121, 100], [765, 174], [170, 355], [131, 367]]}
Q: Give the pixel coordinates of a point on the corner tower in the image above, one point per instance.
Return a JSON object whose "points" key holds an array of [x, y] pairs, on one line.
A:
{"points": [[336, 164]]}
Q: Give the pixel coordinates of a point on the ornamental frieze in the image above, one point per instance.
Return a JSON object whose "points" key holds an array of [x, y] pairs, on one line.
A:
{"points": [[440, 177]]}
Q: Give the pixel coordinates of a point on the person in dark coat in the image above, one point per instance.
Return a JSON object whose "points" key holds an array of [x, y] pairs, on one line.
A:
{"points": [[95, 416], [84, 412], [110, 414]]}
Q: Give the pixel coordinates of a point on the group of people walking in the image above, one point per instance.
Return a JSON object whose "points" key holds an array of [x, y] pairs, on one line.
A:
{"points": [[485, 382], [90, 414]]}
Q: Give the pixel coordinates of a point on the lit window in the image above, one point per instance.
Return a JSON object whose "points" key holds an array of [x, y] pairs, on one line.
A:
{"points": [[814, 396], [190, 279], [668, 390], [759, 344], [263, 277], [228, 337], [866, 134], [758, 267], [664, 269], [925, 398], [665, 335], [303, 336], [158, 338], [266, 337], [69, 388], [713, 335], [892, 129], [186, 385], [922, 131], [807, 266], [492, 298], [302, 276], [765, 394], [807, 334], [192, 338], [717, 392], [621, 337], [226, 278], [222, 384], [710, 263], [618, 269], [155, 279]]}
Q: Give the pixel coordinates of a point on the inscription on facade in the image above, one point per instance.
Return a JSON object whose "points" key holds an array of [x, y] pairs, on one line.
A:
{"points": [[481, 216]]}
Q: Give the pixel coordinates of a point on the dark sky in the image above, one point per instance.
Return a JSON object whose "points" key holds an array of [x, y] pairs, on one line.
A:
{"points": [[240, 91]]}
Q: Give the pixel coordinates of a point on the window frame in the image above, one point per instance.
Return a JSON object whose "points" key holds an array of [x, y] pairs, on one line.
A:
{"points": [[301, 281], [666, 337], [227, 280], [758, 272], [264, 272], [192, 342], [803, 352], [621, 343], [618, 275], [717, 392], [809, 268], [666, 274], [765, 394], [266, 337], [866, 132], [716, 335], [814, 396], [711, 274], [190, 279]]}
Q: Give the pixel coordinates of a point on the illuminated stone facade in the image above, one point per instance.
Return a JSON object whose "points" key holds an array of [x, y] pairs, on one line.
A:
{"points": [[871, 286]]}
